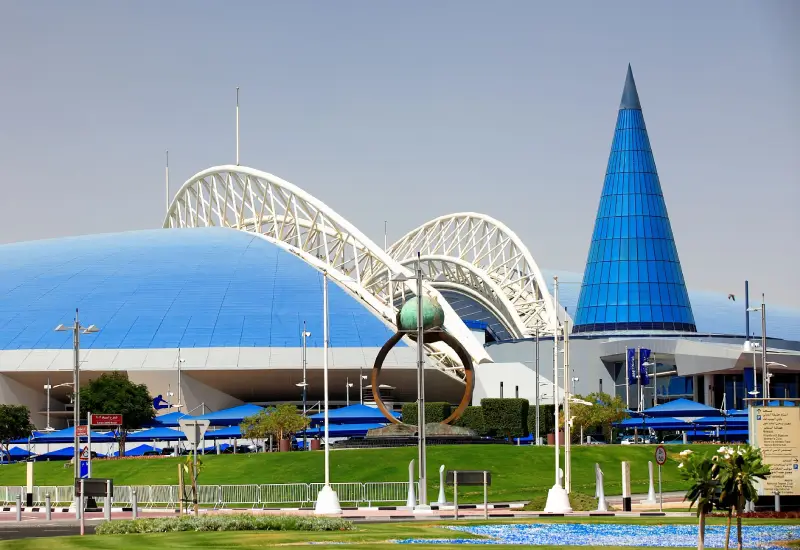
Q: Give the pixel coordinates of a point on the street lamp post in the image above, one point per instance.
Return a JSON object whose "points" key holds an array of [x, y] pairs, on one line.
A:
{"points": [[77, 329], [304, 384], [348, 385], [557, 497], [748, 346], [421, 451], [48, 387], [536, 369]]}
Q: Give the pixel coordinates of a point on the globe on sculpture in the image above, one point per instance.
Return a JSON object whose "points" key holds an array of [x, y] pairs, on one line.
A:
{"points": [[432, 314]]}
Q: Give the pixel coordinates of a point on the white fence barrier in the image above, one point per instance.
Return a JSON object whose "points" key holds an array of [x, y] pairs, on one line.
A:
{"points": [[221, 496]]}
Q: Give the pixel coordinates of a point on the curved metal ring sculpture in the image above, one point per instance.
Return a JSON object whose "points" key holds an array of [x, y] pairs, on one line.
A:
{"points": [[429, 337]]}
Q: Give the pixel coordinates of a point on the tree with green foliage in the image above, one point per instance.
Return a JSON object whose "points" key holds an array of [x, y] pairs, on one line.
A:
{"points": [[283, 421], [114, 393], [740, 469], [258, 426], [702, 474], [508, 417], [15, 423], [601, 414]]}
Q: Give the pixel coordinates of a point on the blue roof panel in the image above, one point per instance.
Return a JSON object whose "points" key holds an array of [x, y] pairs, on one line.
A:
{"points": [[166, 288]]}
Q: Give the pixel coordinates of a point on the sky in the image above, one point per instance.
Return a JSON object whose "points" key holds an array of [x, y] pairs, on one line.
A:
{"points": [[405, 111]]}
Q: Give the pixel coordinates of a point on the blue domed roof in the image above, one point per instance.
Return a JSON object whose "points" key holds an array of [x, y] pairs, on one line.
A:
{"points": [[169, 288]]}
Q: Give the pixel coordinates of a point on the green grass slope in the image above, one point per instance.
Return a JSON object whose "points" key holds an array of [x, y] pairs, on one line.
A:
{"points": [[518, 473]]}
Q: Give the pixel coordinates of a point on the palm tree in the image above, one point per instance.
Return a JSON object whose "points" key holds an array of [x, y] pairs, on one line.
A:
{"points": [[701, 473], [741, 469]]}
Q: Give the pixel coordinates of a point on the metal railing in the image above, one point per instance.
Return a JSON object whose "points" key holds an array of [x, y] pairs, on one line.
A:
{"points": [[227, 496]]}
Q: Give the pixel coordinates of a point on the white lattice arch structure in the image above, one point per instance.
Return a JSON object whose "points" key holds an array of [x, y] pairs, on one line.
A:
{"points": [[483, 259], [247, 199]]}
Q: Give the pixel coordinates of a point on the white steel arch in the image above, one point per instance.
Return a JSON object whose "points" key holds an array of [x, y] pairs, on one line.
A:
{"points": [[513, 282], [250, 200]]}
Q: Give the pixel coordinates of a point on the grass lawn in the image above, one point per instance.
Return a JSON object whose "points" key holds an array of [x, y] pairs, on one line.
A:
{"points": [[364, 537], [518, 473]]}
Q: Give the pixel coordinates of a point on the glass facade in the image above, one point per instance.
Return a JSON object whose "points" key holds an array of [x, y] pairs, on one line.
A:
{"points": [[633, 278]]}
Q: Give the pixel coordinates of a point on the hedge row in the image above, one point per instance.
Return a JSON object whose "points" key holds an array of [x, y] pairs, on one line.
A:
{"points": [[233, 522], [506, 417], [473, 419], [547, 420], [434, 412]]}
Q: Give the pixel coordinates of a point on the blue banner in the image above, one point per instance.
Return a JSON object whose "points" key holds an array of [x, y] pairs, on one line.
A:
{"points": [[631, 366], [644, 357]]}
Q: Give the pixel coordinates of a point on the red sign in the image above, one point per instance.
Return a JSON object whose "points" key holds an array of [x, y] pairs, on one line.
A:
{"points": [[82, 431], [106, 420], [661, 455], [85, 453]]}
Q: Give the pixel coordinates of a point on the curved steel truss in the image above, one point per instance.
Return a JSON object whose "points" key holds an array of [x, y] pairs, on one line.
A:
{"points": [[251, 200], [480, 257]]}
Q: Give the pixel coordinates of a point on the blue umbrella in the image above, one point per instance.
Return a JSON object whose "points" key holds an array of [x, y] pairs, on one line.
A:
{"points": [[231, 417]]}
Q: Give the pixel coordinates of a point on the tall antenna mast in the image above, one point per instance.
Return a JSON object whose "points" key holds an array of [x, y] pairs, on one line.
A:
{"points": [[237, 125], [167, 152]]}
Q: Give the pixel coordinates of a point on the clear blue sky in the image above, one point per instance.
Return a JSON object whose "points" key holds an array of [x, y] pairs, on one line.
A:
{"points": [[506, 108]]}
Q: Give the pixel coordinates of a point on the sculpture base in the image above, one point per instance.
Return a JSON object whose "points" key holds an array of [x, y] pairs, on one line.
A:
{"points": [[432, 429], [327, 502], [557, 501]]}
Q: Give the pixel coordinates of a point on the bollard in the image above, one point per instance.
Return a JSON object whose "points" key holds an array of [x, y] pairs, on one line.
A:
{"points": [[48, 510], [626, 486], [602, 505], [83, 515], [455, 493], [651, 492], [107, 504], [777, 501], [442, 499], [412, 499], [485, 497], [19, 507], [134, 505]]}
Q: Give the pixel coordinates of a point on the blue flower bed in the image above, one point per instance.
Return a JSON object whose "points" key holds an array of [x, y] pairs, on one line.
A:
{"points": [[604, 534]]}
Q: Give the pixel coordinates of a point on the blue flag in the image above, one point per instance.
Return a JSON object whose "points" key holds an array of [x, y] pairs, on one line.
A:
{"points": [[644, 357], [631, 366]]}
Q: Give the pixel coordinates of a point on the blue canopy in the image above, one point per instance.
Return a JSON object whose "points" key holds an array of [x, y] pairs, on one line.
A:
{"points": [[731, 422], [354, 414], [157, 434], [170, 419], [231, 417], [67, 435], [26, 440], [341, 430], [137, 451], [15, 453], [61, 454], [681, 408], [654, 423], [224, 433]]}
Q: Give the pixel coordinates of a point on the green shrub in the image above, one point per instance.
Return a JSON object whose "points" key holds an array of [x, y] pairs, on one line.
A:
{"points": [[232, 522], [506, 417], [473, 419], [546, 419], [434, 412]]}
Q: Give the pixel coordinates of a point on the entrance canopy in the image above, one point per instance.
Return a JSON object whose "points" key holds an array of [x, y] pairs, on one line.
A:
{"points": [[67, 435], [232, 416], [354, 414], [681, 408]]}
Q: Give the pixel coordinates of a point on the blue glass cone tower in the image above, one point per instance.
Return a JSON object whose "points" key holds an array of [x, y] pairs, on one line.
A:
{"points": [[633, 278]]}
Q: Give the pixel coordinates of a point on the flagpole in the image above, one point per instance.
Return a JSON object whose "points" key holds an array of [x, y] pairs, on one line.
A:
{"points": [[327, 499]]}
